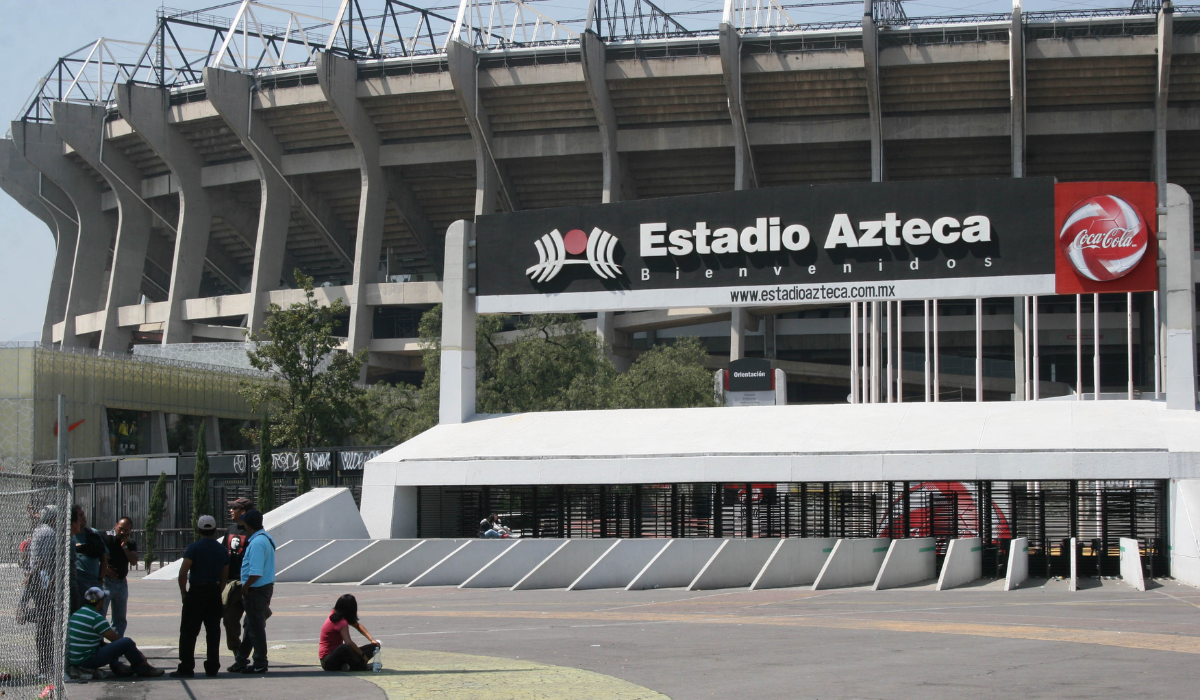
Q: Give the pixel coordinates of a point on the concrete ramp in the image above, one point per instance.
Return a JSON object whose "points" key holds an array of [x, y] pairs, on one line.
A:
{"points": [[413, 562], [292, 551], [1018, 563], [735, 564], [619, 565], [512, 564], [1185, 531], [319, 561], [963, 564], [566, 564], [907, 561], [463, 563], [852, 563], [366, 561], [676, 565], [325, 513], [795, 562], [1131, 564]]}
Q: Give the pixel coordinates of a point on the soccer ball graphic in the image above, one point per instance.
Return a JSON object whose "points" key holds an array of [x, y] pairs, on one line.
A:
{"points": [[1104, 238]]}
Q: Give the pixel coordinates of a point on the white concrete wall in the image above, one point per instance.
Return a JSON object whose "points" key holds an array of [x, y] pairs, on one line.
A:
{"points": [[675, 565], [388, 511], [1131, 564], [1185, 531], [292, 551], [512, 564], [963, 563], [366, 561], [735, 564], [852, 563], [463, 563], [309, 567], [413, 562], [325, 513], [561, 568], [619, 565], [1018, 563], [795, 562], [1073, 581], [907, 561]]}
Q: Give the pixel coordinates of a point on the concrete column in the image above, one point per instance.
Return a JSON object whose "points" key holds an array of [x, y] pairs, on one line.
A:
{"points": [[739, 323], [744, 176], [146, 109], [158, 433], [458, 326], [81, 126], [1180, 378], [41, 145], [1019, 349], [1016, 84], [212, 433], [490, 177], [229, 93], [1161, 85], [870, 40], [592, 53], [612, 338]]}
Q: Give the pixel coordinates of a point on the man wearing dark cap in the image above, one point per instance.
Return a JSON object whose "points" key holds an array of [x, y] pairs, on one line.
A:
{"points": [[235, 546], [205, 566], [258, 583]]}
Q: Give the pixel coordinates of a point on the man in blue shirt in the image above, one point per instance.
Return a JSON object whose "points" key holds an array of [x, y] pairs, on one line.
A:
{"points": [[258, 583], [206, 567]]}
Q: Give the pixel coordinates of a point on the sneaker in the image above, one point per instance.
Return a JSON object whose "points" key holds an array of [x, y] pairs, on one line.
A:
{"points": [[148, 671], [254, 669], [121, 670], [345, 667], [212, 673], [239, 667], [182, 674]]}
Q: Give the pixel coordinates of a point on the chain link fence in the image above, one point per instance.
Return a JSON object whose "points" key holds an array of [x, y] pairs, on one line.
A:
{"points": [[35, 518]]}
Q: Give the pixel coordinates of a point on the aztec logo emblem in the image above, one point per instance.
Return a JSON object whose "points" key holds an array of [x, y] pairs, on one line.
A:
{"points": [[1104, 238], [598, 250]]}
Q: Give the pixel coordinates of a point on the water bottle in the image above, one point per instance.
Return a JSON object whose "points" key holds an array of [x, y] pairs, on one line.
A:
{"points": [[377, 664]]}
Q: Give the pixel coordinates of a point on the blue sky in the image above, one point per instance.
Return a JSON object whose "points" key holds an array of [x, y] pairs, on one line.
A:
{"points": [[34, 34]]}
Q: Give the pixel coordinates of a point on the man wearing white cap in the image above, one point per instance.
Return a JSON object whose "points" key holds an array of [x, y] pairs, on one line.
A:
{"points": [[86, 633], [206, 568]]}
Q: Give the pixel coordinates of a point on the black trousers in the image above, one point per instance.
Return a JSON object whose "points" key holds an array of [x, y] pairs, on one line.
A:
{"points": [[345, 655], [201, 606]]}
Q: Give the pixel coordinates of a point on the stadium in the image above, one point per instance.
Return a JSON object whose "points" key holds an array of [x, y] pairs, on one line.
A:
{"points": [[185, 177]]}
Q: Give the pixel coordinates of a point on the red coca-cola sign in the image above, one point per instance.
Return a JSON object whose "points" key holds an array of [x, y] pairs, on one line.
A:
{"points": [[1104, 237]]}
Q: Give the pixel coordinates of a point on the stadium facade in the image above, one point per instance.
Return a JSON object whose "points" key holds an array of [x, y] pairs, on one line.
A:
{"points": [[183, 187]]}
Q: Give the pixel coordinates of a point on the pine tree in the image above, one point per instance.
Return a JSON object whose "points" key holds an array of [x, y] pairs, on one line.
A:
{"points": [[201, 499], [154, 516], [266, 476]]}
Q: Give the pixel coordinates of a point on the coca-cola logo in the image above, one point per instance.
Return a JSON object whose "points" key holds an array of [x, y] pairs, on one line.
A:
{"points": [[1104, 237]]}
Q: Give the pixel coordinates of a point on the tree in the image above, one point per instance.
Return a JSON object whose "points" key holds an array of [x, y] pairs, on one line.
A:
{"points": [[302, 484], [667, 376], [201, 498], [266, 474], [154, 515], [313, 396]]}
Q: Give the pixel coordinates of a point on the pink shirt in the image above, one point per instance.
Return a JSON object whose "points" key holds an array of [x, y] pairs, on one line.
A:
{"points": [[331, 637]]}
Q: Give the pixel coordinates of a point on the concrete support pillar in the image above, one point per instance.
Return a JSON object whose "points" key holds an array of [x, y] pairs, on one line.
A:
{"points": [[870, 40], [212, 433], [1019, 341], [82, 127], [770, 351], [146, 109], [612, 338], [158, 433], [41, 145], [741, 321], [490, 177], [458, 326], [1181, 299], [1016, 86], [744, 176], [592, 52], [1161, 85], [230, 94]]}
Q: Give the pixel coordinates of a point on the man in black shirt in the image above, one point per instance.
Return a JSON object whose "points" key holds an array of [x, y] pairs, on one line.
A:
{"points": [[122, 552], [235, 545], [206, 568]]}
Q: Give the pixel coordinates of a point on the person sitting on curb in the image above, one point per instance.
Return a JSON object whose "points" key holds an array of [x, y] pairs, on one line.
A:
{"points": [[205, 565], [336, 651], [86, 633]]}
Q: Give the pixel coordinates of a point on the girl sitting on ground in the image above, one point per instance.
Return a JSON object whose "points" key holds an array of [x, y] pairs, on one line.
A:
{"points": [[336, 651]]}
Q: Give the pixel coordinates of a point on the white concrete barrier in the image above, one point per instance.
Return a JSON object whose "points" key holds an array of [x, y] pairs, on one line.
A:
{"points": [[1184, 503], [292, 551], [1131, 564], [676, 565], [852, 563], [1073, 581], [306, 568], [366, 561], [413, 562], [796, 561], [1018, 563], [619, 565], [324, 513], [561, 568], [963, 563], [736, 563], [512, 564], [463, 563], [907, 561]]}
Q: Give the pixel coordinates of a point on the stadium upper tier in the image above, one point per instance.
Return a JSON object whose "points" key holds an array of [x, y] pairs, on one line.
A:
{"points": [[346, 147]]}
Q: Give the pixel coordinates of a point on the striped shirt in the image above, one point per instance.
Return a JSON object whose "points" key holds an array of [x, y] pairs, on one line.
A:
{"points": [[86, 629]]}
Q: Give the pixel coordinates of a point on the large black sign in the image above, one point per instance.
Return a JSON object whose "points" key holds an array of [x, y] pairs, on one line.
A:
{"points": [[786, 245], [750, 374]]}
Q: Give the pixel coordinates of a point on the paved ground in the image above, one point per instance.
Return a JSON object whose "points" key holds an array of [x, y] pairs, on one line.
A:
{"points": [[1041, 641]]}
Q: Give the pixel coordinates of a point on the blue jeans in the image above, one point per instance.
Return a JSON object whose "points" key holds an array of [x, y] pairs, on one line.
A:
{"points": [[490, 534], [118, 598], [110, 653]]}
